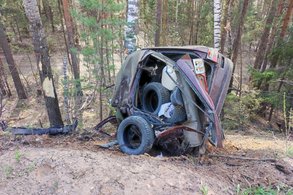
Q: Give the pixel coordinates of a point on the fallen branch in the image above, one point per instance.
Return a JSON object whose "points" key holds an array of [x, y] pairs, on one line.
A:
{"points": [[242, 158]]}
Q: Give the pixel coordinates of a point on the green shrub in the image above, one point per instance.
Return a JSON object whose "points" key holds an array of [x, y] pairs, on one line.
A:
{"points": [[240, 111]]}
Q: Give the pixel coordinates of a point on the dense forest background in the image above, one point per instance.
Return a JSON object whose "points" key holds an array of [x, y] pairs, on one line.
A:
{"points": [[59, 58]]}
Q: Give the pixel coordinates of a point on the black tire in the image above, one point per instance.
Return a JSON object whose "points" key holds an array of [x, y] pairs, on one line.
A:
{"points": [[153, 96], [178, 115], [135, 136]]}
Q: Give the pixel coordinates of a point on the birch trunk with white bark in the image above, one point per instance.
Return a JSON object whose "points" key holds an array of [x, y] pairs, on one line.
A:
{"points": [[42, 54], [217, 23], [131, 27]]}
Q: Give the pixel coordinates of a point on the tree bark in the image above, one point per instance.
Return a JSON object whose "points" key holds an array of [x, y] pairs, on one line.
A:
{"points": [[11, 64], [49, 14], [272, 35], [227, 7], [4, 84], [217, 23], [131, 29], [192, 18], [239, 32], [265, 36], [236, 43], [285, 25], [164, 33], [42, 54], [228, 30], [70, 31], [198, 21], [158, 23]]}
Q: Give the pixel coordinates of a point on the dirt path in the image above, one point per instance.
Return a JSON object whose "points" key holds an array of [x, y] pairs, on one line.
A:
{"points": [[67, 171], [67, 165]]}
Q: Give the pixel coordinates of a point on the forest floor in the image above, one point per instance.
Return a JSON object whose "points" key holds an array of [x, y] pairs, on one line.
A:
{"points": [[75, 164]]}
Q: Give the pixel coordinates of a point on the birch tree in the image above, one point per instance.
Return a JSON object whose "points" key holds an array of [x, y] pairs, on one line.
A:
{"points": [[131, 27], [217, 23], [42, 53]]}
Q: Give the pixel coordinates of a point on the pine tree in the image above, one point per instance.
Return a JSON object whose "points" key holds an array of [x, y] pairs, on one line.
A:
{"points": [[158, 23], [11, 64], [71, 33], [265, 36], [237, 40]]}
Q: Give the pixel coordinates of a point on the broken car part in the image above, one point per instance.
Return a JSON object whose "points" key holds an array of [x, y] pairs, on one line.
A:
{"points": [[189, 82], [41, 131]]}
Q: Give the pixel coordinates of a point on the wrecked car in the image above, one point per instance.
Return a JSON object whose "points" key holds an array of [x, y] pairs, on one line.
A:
{"points": [[171, 97]]}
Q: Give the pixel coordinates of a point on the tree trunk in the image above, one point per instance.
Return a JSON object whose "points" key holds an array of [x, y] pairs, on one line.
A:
{"points": [[192, 18], [17, 29], [11, 64], [49, 14], [265, 36], [272, 35], [198, 21], [6, 89], [239, 32], [285, 25], [164, 33], [228, 30], [131, 29], [227, 6], [217, 23], [158, 23], [70, 31], [236, 43], [42, 54]]}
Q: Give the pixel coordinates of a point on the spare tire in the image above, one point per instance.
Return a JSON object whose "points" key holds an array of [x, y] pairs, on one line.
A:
{"points": [[153, 96], [135, 136]]}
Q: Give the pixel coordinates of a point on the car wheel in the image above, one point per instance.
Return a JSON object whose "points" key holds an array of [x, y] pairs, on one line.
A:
{"points": [[153, 96], [177, 115], [135, 136]]}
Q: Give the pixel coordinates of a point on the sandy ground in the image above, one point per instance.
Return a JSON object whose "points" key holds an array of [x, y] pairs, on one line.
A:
{"points": [[71, 165]]}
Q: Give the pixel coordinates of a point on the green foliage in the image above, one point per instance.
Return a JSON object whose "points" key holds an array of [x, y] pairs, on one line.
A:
{"points": [[204, 190], [258, 76], [17, 156], [253, 26], [8, 170], [206, 34], [97, 28], [259, 191], [240, 111], [266, 191], [289, 151]]}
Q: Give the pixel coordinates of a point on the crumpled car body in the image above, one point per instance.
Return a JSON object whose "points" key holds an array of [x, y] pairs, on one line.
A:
{"points": [[197, 79]]}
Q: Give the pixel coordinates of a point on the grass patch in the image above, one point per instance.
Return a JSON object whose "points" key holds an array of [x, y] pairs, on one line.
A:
{"points": [[266, 191], [289, 151], [17, 156], [204, 189], [8, 170]]}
